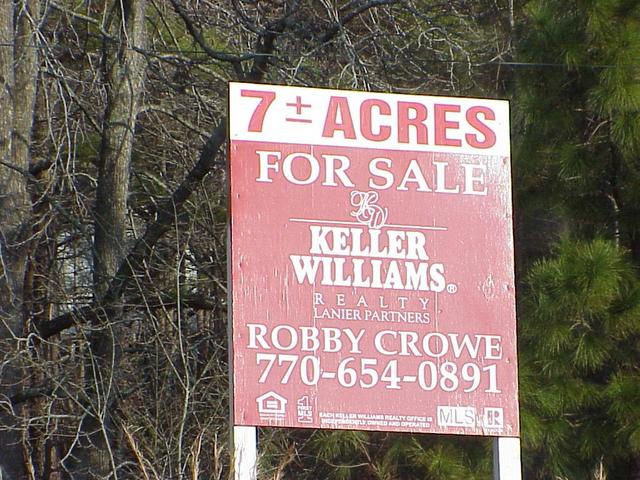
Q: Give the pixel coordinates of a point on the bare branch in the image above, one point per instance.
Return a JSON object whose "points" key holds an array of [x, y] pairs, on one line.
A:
{"points": [[133, 266], [334, 29], [235, 60]]}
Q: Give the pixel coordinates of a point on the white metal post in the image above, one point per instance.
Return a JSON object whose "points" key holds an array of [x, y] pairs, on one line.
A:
{"points": [[506, 459], [245, 453]]}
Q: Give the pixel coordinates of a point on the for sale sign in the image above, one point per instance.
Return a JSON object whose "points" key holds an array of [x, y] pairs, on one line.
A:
{"points": [[371, 261]]}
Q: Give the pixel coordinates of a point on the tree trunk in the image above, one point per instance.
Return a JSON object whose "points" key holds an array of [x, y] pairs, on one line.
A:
{"points": [[94, 453], [18, 76]]}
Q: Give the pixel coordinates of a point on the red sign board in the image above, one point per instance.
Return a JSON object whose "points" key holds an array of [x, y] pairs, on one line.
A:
{"points": [[371, 261]]}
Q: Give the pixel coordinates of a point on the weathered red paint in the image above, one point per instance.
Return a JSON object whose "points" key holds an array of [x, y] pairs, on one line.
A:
{"points": [[372, 262]]}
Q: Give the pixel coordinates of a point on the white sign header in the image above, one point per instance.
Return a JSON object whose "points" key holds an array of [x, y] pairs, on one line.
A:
{"points": [[369, 120]]}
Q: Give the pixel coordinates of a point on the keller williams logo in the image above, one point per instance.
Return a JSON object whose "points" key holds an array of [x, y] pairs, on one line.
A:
{"points": [[368, 253], [368, 211]]}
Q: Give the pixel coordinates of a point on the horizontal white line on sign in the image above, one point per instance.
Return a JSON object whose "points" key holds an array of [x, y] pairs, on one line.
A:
{"points": [[336, 222]]}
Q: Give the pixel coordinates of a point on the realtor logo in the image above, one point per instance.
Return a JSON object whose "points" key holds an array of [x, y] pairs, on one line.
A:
{"points": [[493, 417], [271, 406]]}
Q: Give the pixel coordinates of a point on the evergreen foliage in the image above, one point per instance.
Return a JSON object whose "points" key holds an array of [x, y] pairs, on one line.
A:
{"points": [[578, 121], [580, 328], [386, 456], [576, 162]]}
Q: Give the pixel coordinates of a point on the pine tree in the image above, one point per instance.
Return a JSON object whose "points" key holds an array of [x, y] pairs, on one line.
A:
{"points": [[580, 328], [577, 111], [577, 183]]}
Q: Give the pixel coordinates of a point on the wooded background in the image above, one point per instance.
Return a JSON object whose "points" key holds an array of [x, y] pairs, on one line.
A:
{"points": [[113, 213]]}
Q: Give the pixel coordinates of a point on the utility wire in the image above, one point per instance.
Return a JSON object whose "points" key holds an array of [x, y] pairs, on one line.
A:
{"points": [[450, 62]]}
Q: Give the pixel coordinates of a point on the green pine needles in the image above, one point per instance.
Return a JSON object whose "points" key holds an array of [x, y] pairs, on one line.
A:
{"points": [[580, 327]]}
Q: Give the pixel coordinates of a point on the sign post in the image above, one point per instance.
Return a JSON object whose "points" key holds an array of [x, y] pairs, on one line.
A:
{"points": [[372, 263], [506, 458], [245, 453]]}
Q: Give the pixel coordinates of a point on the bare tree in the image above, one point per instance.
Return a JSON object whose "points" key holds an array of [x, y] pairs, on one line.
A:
{"points": [[124, 68], [18, 64]]}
